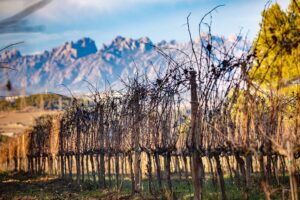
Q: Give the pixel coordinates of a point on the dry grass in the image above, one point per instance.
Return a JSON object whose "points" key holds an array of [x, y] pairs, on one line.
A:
{"points": [[16, 122]]}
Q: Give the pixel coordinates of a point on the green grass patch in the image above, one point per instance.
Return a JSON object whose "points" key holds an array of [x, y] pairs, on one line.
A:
{"points": [[25, 186]]}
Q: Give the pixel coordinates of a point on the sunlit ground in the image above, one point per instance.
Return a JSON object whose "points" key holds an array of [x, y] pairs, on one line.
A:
{"points": [[24, 186]]}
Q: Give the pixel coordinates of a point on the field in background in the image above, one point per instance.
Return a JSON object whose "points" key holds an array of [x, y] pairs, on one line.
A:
{"points": [[18, 113], [16, 122]]}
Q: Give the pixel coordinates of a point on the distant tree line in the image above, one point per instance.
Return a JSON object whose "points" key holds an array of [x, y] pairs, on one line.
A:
{"points": [[40, 101]]}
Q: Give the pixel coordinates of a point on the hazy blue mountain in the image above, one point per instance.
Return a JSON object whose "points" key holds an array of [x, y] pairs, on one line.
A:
{"points": [[72, 63]]}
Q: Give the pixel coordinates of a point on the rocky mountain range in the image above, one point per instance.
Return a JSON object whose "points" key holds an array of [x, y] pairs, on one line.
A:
{"points": [[74, 63]]}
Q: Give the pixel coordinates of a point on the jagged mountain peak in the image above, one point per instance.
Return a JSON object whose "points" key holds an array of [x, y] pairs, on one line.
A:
{"points": [[73, 62], [75, 50], [125, 44], [84, 45], [145, 40], [164, 43], [8, 55]]}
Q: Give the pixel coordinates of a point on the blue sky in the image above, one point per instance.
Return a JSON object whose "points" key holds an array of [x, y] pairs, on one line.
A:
{"points": [[103, 20]]}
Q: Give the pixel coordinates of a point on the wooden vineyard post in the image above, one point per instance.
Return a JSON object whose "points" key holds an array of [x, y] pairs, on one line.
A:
{"points": [[196, 138], [137, 153]]}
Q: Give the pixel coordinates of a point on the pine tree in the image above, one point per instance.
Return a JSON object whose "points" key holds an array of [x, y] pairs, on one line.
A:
{"points": [[277, 48]]}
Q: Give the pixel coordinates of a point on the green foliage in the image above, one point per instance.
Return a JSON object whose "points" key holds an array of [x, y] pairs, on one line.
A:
{"points": [[277, 48], [3, 138], [20, 185], [5, 105]]}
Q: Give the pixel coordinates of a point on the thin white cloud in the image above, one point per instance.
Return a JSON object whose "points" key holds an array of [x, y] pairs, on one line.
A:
{"points": [[10, 7], [75, 8], [68, 10], [111, 5]]}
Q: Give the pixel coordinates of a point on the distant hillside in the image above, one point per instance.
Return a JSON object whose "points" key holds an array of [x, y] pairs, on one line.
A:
{"points": [[39, 101]]}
